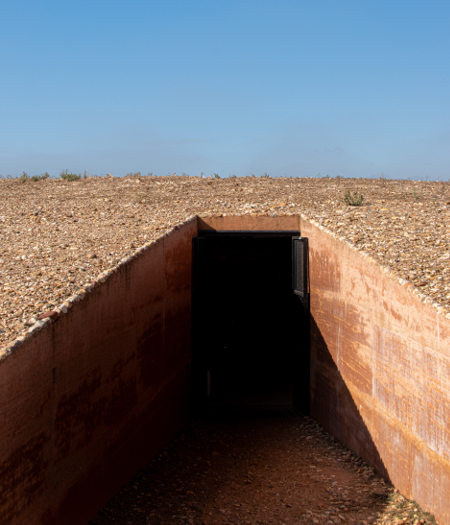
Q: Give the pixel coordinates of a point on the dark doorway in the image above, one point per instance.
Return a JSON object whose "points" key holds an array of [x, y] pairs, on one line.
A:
{"points": [[250, 331]]}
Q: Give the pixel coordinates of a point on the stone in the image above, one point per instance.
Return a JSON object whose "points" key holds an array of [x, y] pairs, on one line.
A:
{"points": [[53, 315]]}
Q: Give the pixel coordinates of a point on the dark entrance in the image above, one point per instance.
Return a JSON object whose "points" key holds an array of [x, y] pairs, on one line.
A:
{"points": [[250, 330]]}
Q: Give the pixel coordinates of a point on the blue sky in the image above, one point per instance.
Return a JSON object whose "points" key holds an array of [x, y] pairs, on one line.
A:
{"points": [[355, 88]]}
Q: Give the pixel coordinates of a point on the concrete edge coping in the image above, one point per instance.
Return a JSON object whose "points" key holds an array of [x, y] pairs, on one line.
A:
{"points": [[425, 299], [101, 278]]}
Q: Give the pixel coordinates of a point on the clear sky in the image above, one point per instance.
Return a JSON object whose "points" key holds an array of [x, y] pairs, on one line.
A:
{"points": [[349, 87]]}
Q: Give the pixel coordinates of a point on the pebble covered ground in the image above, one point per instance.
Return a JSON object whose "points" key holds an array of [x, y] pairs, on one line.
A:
{"points": [[59, 237], [258, 469]]}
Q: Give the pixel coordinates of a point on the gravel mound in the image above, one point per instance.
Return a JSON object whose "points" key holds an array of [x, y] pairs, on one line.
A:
{"points": [[59, 238]]}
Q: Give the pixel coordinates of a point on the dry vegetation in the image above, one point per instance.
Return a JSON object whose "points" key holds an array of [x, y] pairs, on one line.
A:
{"points": [[57, 236]]}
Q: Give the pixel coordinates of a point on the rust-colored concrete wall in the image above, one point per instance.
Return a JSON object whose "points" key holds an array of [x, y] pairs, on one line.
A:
{"points": [[380, 371], [249, 223], [91, 397]]}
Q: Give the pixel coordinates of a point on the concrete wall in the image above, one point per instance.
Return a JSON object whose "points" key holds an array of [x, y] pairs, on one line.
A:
{"points": [[380, 364], [90, 398], [380, 371], [249, 223]]}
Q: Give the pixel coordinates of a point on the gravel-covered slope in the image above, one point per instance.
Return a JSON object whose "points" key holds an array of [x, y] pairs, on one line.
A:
{"points": [[56, 236]]}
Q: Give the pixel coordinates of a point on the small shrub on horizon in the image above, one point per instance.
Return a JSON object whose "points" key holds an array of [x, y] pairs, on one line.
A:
{"points": [[37, 178], [67, 175], [24, 177], [216, 176], [265, 176], [353, 200]]}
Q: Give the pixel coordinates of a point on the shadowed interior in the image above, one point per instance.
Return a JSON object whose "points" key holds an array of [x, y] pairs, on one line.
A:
{"points": [[250, 338]]}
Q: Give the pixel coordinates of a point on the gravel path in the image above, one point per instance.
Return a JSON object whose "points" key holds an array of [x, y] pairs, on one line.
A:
{"points": [[258, 469], [58, 238]]}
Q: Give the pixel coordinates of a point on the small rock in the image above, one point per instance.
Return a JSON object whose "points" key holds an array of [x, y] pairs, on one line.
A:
{"points": [[52, 314]]}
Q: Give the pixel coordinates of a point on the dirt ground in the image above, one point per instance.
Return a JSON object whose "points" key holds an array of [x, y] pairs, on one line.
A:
{"points": [[258, 468]]}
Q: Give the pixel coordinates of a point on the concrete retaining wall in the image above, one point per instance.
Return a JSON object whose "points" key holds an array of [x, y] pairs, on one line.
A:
{"points": [[93, 396], [380, 371], [90, 398], [380, 364]]}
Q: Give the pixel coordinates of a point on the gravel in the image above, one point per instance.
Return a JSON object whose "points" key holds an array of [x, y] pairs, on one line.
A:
{"points": [[59, 238], [252, 469]]}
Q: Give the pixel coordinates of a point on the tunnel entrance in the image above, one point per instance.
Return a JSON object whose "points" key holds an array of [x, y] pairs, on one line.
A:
{"points": [[250, 330]]}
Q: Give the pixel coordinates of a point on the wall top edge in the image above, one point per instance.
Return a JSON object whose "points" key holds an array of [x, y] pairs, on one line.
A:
{"points": [[406, 285], [250, 221], [71, 301]]}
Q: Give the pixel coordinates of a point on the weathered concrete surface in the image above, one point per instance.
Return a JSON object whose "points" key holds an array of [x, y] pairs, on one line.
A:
{"points": [[90, 398], [380, 371], [93, 396], [249, 223]]}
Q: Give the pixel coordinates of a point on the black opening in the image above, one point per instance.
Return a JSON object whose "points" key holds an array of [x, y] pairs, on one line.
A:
{"points": [[250, 331]]}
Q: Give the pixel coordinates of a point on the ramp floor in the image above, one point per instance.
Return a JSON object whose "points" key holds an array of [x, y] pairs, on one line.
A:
{"points": [[260, 467]]}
